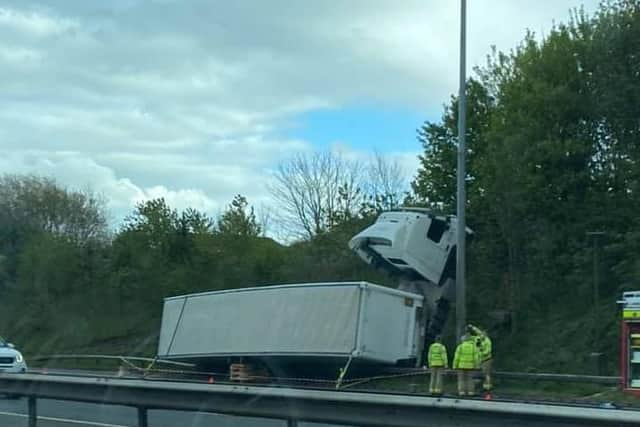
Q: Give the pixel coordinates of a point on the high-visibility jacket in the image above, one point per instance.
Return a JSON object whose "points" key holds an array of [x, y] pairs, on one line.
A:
{"points": [[484, 347], [467, 355], [437, 356], [483, 343]]}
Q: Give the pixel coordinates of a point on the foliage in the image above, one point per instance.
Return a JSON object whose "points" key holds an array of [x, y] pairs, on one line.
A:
{"points": [[66, 294], [553, 136], [31, 205], [239, 219]]}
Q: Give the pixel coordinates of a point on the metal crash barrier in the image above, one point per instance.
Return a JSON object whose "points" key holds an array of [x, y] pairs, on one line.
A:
{"points": [[293, 405]]}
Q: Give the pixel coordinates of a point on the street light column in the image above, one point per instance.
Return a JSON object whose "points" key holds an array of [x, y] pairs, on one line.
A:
{"points": [[461, 303]]}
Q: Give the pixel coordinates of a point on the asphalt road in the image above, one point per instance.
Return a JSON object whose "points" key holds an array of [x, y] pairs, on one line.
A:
{"points": [[52, 413]]}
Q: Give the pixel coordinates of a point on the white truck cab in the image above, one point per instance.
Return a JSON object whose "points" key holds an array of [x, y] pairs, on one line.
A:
{"points": [[418, 247], [412, 240]]}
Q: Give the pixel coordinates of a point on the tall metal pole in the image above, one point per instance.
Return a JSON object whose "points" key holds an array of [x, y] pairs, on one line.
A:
{"points": [[461, 285]]}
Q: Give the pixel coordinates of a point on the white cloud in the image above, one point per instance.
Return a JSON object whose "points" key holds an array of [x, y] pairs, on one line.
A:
{"points": [[187, 100], [203, 188], [34, 23]]}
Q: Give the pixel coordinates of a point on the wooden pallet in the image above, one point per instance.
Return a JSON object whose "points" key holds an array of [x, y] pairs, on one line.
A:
{"points": [[246, 372]]}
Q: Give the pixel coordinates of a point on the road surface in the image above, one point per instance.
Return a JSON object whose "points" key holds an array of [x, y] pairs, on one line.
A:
{"points": [[52, 413]]}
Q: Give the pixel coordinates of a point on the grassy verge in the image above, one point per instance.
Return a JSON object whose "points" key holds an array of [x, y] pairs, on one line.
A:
{"points": [[131, 345], [516, 389]]}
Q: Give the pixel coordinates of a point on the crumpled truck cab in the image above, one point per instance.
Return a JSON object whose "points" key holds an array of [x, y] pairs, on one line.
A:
{"points": [[413, 241]]}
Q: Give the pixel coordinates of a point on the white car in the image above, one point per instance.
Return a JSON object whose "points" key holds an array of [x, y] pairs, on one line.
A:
{"points": [[11, 360]]}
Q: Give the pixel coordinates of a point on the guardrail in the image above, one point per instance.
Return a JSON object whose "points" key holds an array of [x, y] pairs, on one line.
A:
{"points": [[105, 357], [127, 361], [570, 378], [532, 376], [293, 405], [391, 373]]}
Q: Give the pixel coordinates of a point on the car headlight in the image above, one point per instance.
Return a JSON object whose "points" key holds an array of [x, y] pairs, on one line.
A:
{"points": [[19, 358]]}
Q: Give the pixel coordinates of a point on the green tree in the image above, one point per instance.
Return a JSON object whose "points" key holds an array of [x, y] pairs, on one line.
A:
{"points": [[154, 253], [31, 205], [553, 136], [435, 183], [239, 219], [196, 222]]}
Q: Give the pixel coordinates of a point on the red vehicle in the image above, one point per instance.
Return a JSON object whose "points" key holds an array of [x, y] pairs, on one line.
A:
{"points": [[630, 342]]}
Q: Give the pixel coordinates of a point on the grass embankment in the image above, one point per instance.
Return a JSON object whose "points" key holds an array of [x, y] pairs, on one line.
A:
{"points": [[579, 393], [133, 345]]}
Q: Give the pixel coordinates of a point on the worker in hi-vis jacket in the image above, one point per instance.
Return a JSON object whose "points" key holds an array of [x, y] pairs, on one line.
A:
{"points": [[438, 361], [483, 343], [465, 361]]}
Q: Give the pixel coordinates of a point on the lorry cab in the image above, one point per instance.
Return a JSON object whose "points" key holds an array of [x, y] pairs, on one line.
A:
{"points": [[411, 240]]}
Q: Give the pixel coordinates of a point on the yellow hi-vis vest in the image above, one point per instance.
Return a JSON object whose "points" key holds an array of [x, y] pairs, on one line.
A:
{"points": [[467, 356], [484, 346], [437, 356]]}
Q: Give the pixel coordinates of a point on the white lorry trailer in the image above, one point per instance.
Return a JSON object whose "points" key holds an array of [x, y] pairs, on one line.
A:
{"points": [[297, 323]]}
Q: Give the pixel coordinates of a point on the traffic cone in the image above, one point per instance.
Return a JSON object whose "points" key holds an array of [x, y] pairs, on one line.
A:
{"points": [[487, 396], [211, 380]]}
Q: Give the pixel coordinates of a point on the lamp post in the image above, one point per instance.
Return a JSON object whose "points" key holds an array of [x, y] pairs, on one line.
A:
{"points": [[461, 302]]}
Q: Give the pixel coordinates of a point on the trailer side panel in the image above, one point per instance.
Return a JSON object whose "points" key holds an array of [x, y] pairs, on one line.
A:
{"points": [[270, 320]]}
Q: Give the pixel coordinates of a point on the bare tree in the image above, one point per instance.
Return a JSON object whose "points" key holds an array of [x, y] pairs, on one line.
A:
{"points": [[386, 182], [265, 215], [316, 191]]}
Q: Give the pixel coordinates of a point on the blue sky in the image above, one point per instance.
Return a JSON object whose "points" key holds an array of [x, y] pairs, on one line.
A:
{"points": [[363, 128]]}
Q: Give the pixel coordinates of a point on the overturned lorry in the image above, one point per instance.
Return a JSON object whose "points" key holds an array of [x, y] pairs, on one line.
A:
{"points": [[288, 328]]}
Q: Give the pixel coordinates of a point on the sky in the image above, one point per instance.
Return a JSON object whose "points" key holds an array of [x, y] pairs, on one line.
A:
{"points": [[196, 101]]}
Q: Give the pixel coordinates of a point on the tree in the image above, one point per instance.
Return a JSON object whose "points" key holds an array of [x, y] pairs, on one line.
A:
{"points": [[153, 217], [553, 136], [435, 184], [239, 219], [154, 252], [195, 222], [316, 191], [385, 184], [51, 243], [34, 203], [265, 216]]}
